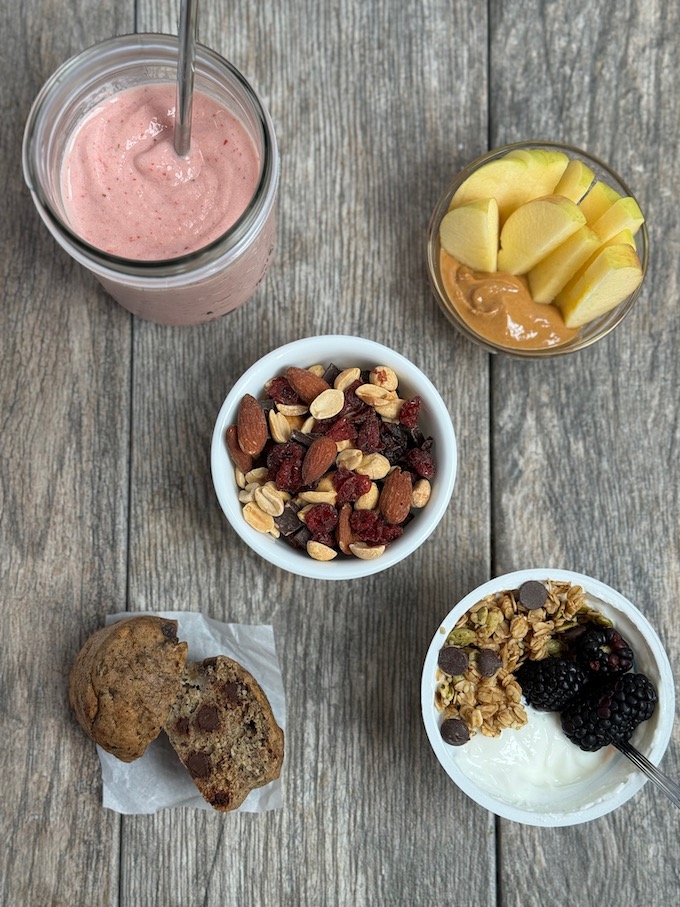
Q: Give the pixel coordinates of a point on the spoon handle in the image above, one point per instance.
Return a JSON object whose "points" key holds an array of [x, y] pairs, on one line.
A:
{"points": [[188, 29], [670, 788]]}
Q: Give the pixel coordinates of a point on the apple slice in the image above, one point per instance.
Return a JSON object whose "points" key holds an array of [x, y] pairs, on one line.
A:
{"points": [[545, 169], [613, 275], [502, 179], [536, 228], [600, 198], [554, 271], [625, 236], [470, 234], [624, 214], [575, 181]]}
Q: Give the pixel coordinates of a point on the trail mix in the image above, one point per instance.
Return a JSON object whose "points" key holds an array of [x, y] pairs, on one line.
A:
{"points": [[495, 638], [331, 460]]}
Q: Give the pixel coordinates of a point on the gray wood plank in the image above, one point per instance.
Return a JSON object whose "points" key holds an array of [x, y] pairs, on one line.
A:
{"points": [[366, 148], [64, 405], [105, 491], [584, 471]]}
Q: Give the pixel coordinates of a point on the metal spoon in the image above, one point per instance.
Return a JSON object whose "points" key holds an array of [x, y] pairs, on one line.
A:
{"points": [[663, 782], [188, 33]]}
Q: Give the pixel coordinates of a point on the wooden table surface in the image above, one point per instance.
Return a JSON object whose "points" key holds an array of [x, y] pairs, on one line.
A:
{"points": [[107, 501]]}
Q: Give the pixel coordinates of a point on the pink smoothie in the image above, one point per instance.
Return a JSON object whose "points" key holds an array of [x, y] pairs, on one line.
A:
{"points": [[126, 192]]}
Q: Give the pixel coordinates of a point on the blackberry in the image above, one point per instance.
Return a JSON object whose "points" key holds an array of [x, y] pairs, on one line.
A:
{"points": [[604, 651], [548, 685], [608, 710]]}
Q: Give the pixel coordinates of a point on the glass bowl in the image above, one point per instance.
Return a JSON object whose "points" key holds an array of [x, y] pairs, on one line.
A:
{"points": [[588, 333]]}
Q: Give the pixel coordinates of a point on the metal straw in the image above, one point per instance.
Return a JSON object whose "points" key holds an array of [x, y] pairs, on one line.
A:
{"points": [[188, 32]]}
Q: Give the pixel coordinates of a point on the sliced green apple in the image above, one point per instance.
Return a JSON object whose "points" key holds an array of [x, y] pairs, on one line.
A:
{"points": [[575, 181], [502, 179], [554, 271], [534, 229], [610, 278], [470, 234], [600, 198], [623, 214], [625, 236], [545, 168]]}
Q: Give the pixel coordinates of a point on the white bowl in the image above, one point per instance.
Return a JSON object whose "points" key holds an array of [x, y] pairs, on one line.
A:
{"points": [[610, 779], [345, 352]]}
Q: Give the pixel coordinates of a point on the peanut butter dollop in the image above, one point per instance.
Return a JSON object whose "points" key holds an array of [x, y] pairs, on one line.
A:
{"points": [[499, 307]]}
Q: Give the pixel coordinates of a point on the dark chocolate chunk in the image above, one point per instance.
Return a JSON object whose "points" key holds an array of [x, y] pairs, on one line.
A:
{"points": [[331, 374], [267, 404], [488, 662], [455, 731], [532, 595], [452, 660], [198, 764], [304, 438], [208, 718], [182, 726], [299, 539], [288, 522]]}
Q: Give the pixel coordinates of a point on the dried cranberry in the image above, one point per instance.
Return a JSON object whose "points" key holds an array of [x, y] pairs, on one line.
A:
{"points": [[409, 412], [420, 461], [325, 538], [284, 464], [341, 430], [371, 528], [354, 407], [321, 519], [368, 439], [395, 440], [350, 485], [280, 390]]}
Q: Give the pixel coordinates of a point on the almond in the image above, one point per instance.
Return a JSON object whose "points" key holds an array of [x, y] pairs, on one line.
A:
{"points": [[252, 426], [242, 459], [344, 531], [395, 497], [318, 460], [306, 384]]}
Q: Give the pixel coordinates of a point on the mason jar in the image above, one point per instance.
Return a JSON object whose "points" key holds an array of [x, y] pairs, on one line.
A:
{"points": [[192, 288]]}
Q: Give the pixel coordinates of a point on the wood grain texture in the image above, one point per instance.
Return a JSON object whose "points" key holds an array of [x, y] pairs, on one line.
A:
{"points": [[590, 482], [106, 499]]}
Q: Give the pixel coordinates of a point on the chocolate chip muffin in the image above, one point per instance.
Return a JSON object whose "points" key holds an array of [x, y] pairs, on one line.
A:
{"points": [[124, 681], [223, 729]]}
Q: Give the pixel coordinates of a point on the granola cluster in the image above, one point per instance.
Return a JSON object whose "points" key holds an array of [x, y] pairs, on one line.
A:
{"points": [[502, 625]]}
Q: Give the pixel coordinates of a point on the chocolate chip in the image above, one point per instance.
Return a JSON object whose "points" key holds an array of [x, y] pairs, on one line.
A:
{"points": [[231, 691], [532, 595], [488, 662], [455, 731], [208, 718], [168, 630], [220, 798], [452, 660], [182, 726], [198, 764]]}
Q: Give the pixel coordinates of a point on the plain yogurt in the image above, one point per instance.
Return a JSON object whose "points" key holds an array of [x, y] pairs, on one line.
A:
{"points": [[529, 763]]}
